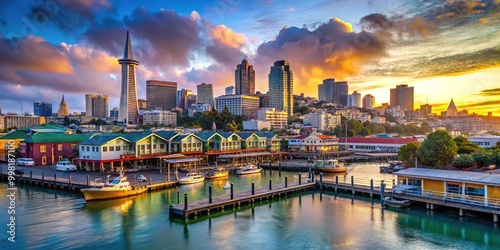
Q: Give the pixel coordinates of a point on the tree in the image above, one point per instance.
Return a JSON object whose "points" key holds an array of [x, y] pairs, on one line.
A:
{"points": [[365, 131], [464, 161], [232, 126], [465, 146], [66, 121], [438, 149], [407, 153], [484, 158]]}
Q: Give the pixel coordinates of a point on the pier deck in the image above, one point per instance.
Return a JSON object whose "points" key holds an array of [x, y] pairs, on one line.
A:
{"points": [[220, 203]]}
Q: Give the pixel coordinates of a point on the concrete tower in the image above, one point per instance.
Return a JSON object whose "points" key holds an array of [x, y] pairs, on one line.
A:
{"points": [[281, 87], [244, 78], [129, 108]]}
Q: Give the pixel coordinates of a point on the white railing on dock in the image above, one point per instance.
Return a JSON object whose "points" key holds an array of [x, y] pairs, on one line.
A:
{"points": [[473, 200]]}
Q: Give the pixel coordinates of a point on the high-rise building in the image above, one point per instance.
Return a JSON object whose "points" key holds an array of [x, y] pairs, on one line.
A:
{"points": [[402, 96], [243, 105], [263, 99], [426, 109], [277, 119], [42, 109], [244, 78], [114, 113], [183, 96], [368, 101], [142, 103], [63, 110], [333, 92], [281, 87], [322, 120], [354, 100], [161, 95], [129, 109], [229, 90], [96, 105], [205, 94]]}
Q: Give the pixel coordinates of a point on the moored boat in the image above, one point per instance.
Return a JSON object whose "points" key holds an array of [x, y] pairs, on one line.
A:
{"points": [[393, 202], [330, 166], [393, 166], [249, 169], [217, 173], [118, 188], [192, 178]]}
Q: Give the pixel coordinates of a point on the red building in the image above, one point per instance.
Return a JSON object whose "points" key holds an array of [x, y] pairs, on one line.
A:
{"points": [[49, 148]]}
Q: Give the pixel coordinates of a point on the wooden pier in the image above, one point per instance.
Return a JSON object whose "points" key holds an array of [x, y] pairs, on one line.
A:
{"points": [[191, 210]]}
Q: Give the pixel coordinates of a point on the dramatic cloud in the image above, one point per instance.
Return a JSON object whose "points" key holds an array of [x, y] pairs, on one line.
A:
{"points": [[490, 92], [331, 50]]}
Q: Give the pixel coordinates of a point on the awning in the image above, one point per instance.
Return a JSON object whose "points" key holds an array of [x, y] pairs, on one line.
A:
{"points": [[182, 160], [242, 155]]}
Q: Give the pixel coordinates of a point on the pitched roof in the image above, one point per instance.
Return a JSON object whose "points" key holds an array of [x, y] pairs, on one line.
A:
{"points": [[268, 135], [451, 175], [57, 137], [180, 137], [98, 140], [135, 136], [227, 134], [14, 135], [205, 135], [167, 135], [245, 135]]}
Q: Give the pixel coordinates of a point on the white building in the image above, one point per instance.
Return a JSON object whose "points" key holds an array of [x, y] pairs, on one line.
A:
{"points": [[198, 108], [354, 100], [322, 120], [160, 117], [255, 125], [313, 143], [243, 105], [485, 141], [278, 119], [368, 101]]}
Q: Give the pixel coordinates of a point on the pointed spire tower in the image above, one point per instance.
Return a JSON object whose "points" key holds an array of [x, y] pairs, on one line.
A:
{"points": [[452, 109], [129, 108], [63, 110]]}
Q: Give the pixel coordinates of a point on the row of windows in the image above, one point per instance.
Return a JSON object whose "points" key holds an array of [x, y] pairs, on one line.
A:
{"points": [[43, 148], [457, 189]]}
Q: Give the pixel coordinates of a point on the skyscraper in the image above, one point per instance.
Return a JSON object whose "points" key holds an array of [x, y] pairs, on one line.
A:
{"points": [[354, 100], [63, 110], [161, 95], [368, 101], [229, 90], [244, 78], [128, 98], [205, 94], [402, 96], [96, 105], [183, 96], [333, 92], [281, 87], [42, 109]]}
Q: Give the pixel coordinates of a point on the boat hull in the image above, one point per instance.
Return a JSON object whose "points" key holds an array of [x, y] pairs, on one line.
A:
{"points": [[217, 175], [333, 170], [97, 194], [256, 171], [397, 203], [187, 182]]}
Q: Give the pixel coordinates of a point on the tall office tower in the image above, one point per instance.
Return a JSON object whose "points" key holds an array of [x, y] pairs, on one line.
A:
{"points": [[96, 105], [229, 90], [161, 95], [41, 109], [183, 98], [354, 100], [426, 109], [205, 94], [114, 113], [244, 78], [402, 96], [63, 110], [368, 101], [129, 108], [281, 87], [142, 103], [333, 92]]}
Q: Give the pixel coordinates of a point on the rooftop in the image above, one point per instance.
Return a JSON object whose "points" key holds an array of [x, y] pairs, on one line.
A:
{"points": [[451, 175]]}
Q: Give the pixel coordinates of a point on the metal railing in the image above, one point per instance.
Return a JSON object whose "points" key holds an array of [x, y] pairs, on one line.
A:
{"points": [[472, 200]]}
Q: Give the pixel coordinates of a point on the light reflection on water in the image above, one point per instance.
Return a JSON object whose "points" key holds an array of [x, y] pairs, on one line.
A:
{"points": [[57, 220]]}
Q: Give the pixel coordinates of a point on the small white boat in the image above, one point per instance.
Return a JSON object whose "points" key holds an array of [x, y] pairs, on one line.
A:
{"points": [[248, 169], [393, 202], [330, 166], [192, 178], [228, 185]]}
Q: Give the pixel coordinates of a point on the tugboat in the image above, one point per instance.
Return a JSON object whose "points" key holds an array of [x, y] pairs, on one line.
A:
{"points": [[118, 188]]}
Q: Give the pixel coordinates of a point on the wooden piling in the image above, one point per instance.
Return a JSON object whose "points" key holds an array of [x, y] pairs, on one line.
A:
{"points": [[178, 197], [209, 194], [371, 188], [352, 183], [270, 184], [286, 181], [185, 202], [279, 169], [336, 182], [232, 194], [253, 188], [300, 178]]}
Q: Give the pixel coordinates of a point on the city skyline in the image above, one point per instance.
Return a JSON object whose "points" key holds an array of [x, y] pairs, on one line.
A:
{"points": [[444, 49]]}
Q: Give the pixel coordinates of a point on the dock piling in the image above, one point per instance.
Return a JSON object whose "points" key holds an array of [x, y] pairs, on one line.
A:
{"points": [[300, 178], [461, 212], [495, 218], [352, 183], [312, 176], [178, 197], [309, 169], [270, 184], [185, 202], [371, 188], [55, 179], [336, 182], [70, 180], [232, 194], [209, 194], [382, 192], [279, 169], [150, 180], [253, 188], [286, 181], [321, 180]]}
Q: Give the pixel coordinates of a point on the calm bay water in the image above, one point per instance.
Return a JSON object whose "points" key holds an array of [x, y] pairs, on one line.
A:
{"points": [[58, 220]]}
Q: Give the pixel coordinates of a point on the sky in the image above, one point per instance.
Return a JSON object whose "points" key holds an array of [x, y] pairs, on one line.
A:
{"points": [[444, 49]]}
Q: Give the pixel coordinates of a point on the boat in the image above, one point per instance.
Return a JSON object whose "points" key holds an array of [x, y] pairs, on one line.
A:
{"points": [[119, 187], [330, 166], [228, 185], [216, 173], [192, 178], [393, 202], [249, 169], [393, 166]]}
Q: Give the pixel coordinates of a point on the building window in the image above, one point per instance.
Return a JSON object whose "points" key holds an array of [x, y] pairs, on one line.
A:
{"points": [[74, 146], [125, 148], [453, 188], [43, 149], [88, 148], [104, 149], [154, 146], [162, 146], [83, 148], [117, 148], [93, 149], [59, 147], [474, 191], [111, 148]]}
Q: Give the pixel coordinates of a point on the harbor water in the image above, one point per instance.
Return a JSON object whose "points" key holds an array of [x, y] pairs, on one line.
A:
{"points": [[49, 219]]}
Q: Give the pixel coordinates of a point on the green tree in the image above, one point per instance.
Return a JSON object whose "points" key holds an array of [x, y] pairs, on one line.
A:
{"points": [[484, 158], [365, 131], [438, 150], [284, 145], [66, 121], [465, 146], [464, 161], [232, 126], [226, 116], [407, 153]]}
